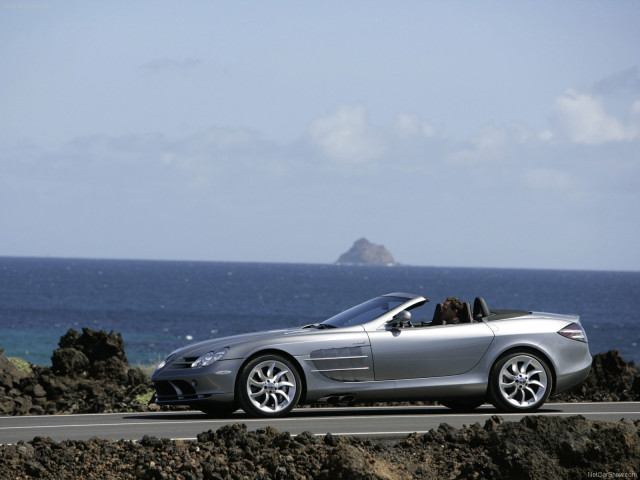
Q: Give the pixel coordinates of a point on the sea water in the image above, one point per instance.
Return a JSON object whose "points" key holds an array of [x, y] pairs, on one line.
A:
{"points": [[158, 306]]}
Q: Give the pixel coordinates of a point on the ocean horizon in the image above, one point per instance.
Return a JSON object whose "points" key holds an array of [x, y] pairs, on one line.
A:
{"points": [[335, 263]]}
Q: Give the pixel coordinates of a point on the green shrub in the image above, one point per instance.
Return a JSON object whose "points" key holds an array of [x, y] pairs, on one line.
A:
{"points": [[144, 398], [22, 365]]}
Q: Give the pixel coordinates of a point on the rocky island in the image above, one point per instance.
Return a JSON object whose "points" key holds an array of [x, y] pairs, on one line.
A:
{"points": [[364, 252]]}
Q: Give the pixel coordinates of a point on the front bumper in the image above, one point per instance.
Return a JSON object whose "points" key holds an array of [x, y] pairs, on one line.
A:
{"points": [[184, 385]]}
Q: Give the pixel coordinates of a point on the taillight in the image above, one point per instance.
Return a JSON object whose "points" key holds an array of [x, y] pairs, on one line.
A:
{"points": [[574, 331]]}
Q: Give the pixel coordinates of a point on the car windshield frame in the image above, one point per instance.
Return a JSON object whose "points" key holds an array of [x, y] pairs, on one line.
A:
{"points": [[365, 312]]}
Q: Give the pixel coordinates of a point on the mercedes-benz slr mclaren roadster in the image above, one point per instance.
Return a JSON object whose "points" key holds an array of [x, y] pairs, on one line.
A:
{"points": [[380, 351]]}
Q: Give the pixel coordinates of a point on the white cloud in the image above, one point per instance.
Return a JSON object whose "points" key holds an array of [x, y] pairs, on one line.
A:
{"points": [[410, 125], [545, 135], [583, 119], [491, 138], [490, 145], [346, 136]]}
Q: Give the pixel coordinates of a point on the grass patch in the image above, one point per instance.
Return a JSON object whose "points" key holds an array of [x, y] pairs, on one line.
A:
{"points": [[144, 398], [148, 368], [22, 365]]}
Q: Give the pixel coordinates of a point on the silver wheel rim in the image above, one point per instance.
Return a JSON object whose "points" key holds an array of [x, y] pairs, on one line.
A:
{"points": [[523, 381], [271, 386]]}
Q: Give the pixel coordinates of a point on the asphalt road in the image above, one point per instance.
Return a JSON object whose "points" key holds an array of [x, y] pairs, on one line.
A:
{"points": [[379, 422]]}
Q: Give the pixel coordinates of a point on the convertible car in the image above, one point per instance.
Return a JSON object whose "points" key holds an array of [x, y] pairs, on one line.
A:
{"points": [[379, 351]]}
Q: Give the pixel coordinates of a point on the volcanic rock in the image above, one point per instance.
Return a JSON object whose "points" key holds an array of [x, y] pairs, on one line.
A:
{"points": [[89, 374], [10, 376]]}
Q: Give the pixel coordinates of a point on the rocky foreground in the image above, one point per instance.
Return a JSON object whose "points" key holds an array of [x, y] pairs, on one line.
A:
{"points": [[535, 448], [90, 373]]}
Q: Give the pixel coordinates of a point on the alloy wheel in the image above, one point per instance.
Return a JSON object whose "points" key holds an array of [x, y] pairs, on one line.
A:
{"points": [[271, 387], [523, 382]]}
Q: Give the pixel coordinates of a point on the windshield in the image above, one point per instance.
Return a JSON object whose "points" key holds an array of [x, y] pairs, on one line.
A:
{"points": [[365, 312]]}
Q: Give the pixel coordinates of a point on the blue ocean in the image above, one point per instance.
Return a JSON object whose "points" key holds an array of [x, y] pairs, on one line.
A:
{"points": [[158, 306]]}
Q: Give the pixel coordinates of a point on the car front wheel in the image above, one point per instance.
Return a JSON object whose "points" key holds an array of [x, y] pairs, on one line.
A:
{"points": [[519, 382], [269, 386]]}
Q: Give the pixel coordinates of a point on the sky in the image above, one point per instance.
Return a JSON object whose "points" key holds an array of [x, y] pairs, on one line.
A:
{"points": [[455, 133]]}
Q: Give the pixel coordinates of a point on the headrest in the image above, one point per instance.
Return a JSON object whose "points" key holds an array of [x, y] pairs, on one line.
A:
{"points": [[437, 319], [465, 314], [480, 309]]}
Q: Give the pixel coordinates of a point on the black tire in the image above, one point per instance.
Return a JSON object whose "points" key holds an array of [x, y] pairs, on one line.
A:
{"points": [[520, 382], [269, 386], [462, 405]]}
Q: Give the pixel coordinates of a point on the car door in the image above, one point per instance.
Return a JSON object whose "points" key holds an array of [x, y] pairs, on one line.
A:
{"points": [[430, 351]]}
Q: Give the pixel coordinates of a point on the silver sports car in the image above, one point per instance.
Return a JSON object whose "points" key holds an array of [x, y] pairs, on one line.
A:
{"points": [[390, 348]]}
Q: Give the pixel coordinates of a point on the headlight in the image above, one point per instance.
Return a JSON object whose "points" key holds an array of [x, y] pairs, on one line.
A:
{"points": [[209, 358], [164, 362]]}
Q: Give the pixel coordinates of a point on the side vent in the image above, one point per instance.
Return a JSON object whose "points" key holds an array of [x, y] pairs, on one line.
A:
{"points": [[348, 364]]}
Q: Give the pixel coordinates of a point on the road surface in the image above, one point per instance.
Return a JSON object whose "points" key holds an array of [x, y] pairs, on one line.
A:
{"points": [[393, 422]]}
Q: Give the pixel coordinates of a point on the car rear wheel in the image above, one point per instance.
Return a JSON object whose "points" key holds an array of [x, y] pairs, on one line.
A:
{"points": [[269, 386], [519, 382]]}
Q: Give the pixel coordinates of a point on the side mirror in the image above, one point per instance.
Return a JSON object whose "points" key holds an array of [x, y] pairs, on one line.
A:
{"points": [[402, 319]]}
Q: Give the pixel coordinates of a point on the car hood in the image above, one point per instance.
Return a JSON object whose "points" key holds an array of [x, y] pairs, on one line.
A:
{"points": [[200, 348]]}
